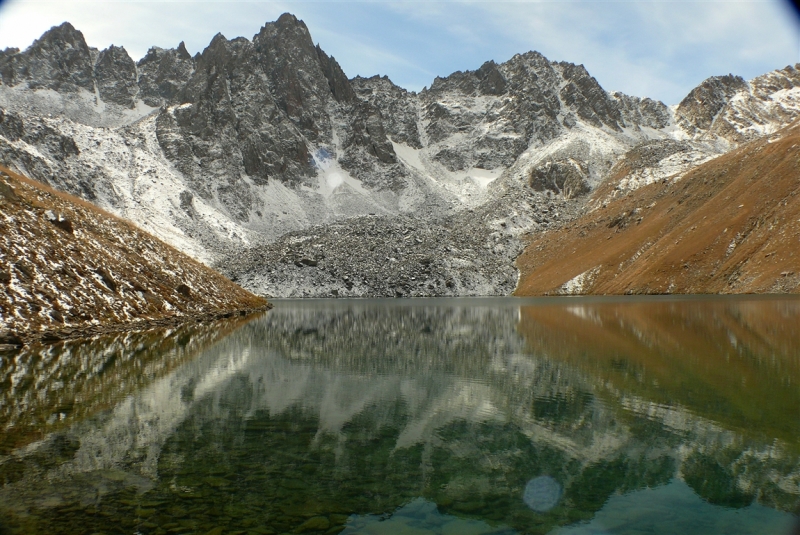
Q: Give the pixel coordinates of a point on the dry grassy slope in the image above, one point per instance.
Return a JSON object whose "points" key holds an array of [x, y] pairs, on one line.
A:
{"points": [[66, 265], [731, 225]]}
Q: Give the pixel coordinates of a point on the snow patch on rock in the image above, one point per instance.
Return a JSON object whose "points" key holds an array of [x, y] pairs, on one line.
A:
{"points": [[579, 284]]}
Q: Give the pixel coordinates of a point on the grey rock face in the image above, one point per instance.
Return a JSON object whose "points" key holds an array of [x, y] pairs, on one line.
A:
{"points": [[115, 74], [637, 112], [56, 145], [696, 112], [11, 126], [337, 81], [584, 96], [295, 75], [397, 107], [59, 60], [763, 105], [732, 111], [229, 125], [162, 73], [567, 177], [488, 117], [259, 109]]}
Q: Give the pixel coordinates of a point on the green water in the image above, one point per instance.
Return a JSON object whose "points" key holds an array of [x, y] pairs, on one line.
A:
{"points": [[461, 416]]}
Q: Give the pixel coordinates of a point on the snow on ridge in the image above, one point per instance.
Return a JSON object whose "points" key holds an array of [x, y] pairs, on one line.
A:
{"points": [[468, 186]]}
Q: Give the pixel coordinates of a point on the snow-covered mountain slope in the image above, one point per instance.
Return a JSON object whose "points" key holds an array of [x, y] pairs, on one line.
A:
{"points": [[66, 266], [250, 140], [729, 110]]}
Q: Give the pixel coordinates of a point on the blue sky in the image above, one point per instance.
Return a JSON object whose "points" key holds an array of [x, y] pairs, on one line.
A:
{"points": [[660, 49]]}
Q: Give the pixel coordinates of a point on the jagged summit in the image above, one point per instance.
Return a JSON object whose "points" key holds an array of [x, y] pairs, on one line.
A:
{"points": [[162, 73], [255, 141], [697, 111], [60, 60]]}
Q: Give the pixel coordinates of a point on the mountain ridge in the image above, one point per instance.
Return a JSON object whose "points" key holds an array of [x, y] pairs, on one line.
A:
{"points": [[224, 153]]}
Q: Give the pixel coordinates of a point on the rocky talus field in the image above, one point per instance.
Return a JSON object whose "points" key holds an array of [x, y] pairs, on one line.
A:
{"points": [[260, 158], [68, 269]]}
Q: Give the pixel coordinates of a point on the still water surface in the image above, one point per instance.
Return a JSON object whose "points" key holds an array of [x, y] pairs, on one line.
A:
{"points": [[460, 416]]}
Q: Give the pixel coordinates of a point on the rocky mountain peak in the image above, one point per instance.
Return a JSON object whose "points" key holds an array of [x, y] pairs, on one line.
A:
{"points": [[396, 106], [115, 73], [697, 111], [60, 60], [162, 73], [182, 52], [297, 81], [637, 112], [492, 81], [229, 124], [587, 99], [337, 80]]}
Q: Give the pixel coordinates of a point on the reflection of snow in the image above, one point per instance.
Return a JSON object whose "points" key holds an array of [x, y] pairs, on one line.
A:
{"points": [[654, 511], [498, 381]]}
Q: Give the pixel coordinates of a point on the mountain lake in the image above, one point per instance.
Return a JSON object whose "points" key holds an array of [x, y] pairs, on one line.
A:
{"points": [[578, 415]]}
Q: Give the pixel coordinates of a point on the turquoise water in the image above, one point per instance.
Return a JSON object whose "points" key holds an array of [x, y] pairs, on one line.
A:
{"points": [[460, 416]]}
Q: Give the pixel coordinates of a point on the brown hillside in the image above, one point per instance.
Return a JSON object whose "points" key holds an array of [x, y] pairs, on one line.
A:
{"points": [[67, 268], [731, 225]]}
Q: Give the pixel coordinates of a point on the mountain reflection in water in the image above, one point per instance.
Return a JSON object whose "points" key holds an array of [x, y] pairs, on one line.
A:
{"points": [[436, 416]]}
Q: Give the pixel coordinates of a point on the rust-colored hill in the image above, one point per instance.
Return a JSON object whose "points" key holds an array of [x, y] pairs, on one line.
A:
{"points": [[731, 225], [67, 269]]}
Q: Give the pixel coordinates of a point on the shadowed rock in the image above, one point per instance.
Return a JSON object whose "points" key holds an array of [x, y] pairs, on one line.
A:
{"points": [[115, 73]]}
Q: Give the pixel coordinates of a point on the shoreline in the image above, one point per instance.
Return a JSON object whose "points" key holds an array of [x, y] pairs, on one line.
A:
{"points": [[11, 341]]}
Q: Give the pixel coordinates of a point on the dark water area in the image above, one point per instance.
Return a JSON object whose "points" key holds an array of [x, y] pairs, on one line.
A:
{"points": [[453, 416]]}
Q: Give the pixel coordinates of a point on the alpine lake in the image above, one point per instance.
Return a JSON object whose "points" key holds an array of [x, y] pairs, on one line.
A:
{"points": [[652, 415]]}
